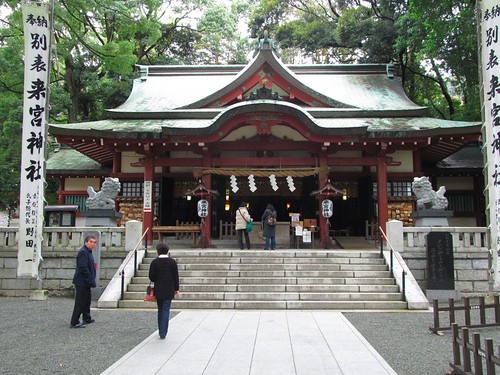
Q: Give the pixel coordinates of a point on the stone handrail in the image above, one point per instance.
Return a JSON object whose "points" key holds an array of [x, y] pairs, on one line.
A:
{"points": [[66, 238], [413, 239], [465, 239]]}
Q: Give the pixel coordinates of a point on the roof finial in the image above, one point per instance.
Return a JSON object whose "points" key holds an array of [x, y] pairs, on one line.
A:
{"points": [[266, 43]]}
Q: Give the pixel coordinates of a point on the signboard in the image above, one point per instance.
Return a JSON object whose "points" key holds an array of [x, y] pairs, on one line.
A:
{"points": [[306, 236], [148, 194], [489, 29], [440, 265], [298, 230], [37, 33], [327, 208], [295, 219], [202, 208]]}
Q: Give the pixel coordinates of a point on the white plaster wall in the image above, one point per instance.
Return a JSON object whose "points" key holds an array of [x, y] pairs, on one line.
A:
{"points": [[127, 159], [75, 184], [131, 157], [406, 160]]}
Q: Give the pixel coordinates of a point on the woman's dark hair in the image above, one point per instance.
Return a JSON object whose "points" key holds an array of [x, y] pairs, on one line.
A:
{"points": [[270, 207], [243, 204], [162, 248]]}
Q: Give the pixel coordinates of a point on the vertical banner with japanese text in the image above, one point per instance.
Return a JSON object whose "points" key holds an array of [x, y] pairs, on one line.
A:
{"points": [[489, 28], [35, 114]]}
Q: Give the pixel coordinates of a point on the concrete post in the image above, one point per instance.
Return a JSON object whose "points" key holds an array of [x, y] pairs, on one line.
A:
{"points": [[395, 234], [133, 233]]}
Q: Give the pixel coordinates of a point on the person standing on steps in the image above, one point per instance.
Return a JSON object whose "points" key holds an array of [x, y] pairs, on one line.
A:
{"points": [[164, 272], [242, 219], [268, 223], [84, 280]]}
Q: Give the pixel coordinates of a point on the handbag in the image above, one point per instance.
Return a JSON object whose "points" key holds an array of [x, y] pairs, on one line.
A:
{"points": [[249, 223], [150, 294]]}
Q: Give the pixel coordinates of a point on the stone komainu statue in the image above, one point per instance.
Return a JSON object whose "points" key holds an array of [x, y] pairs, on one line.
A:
{"points": [[426, 197], [104, 199]]}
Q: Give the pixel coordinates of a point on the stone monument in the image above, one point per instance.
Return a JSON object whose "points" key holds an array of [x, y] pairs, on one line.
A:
{"points": [[431, 212], [101, 205]]}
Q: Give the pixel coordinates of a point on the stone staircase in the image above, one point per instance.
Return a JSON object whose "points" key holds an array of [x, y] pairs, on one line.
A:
{"points": [[281, 279]]}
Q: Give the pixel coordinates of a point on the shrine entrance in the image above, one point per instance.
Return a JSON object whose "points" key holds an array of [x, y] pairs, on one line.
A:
{"points": [[349, 213]]}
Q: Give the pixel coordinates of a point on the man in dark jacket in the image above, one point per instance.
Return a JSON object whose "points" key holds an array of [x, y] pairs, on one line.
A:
{"points": [[164, 273], [84, 280]]}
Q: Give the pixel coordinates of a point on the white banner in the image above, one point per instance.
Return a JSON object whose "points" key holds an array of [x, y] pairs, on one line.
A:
{"points": [[35, 115], [148, 196], [490, 69]]}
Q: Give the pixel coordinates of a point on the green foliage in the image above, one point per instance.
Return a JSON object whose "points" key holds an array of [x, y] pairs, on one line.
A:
{"points": [[96, 45], [434, 43]]}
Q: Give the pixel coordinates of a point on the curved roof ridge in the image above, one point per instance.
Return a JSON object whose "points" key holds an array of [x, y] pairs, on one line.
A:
{"points": [[266, 55]]}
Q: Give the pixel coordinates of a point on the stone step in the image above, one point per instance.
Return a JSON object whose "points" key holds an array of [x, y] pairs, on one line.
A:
{"points": [[277, 280], [272, 274], [281, 279], [208, 253], [207, 288], [286, 296], [271, 305], [276, 267], [266, 260]]}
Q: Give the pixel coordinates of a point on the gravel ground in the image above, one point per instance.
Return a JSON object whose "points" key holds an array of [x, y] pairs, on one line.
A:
{"points": [[35, 338]]}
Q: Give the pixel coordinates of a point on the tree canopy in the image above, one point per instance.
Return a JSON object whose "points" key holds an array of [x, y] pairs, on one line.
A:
{"points": [[433, 44]]}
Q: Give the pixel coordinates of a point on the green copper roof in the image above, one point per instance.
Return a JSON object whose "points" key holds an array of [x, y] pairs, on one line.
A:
{"points": [[67, 160]]}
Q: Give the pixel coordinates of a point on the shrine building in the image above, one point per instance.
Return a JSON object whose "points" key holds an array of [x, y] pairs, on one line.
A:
{"points": [[267, 132]]}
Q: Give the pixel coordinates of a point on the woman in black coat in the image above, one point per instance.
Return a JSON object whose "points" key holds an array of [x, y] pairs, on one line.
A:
{"points": [[269, 231], [164, 273]]}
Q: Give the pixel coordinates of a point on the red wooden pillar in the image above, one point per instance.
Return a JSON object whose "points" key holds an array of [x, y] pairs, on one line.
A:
{"points": [[324, 229], [383, 206], [147, 216], [62, 186], [206, 228]]}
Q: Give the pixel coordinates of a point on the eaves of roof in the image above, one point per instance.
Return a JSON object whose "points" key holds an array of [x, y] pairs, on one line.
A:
{"points": [[67, 161], [397, 127]]}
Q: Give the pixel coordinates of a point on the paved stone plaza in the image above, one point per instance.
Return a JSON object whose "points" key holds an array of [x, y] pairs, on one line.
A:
{"points": [[36, 339]]}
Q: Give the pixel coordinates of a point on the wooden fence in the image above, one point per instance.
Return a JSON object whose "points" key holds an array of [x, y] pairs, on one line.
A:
{"points": [[468, 356], [227, 230], [183, 235], [467, 308]]}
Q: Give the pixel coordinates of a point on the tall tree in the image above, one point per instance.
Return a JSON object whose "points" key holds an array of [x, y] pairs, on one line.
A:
{"points": [[434, 44], [95, 47]]}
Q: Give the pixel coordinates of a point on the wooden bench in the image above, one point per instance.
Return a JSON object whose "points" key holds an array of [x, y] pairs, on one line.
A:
{"points": [[193, 229]]}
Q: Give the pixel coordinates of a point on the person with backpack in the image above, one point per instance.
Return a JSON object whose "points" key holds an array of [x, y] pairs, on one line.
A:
{"points": [[268, 222]]}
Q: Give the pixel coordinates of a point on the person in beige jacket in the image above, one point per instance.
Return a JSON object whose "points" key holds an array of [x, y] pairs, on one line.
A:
{"points": [[242, 219]]}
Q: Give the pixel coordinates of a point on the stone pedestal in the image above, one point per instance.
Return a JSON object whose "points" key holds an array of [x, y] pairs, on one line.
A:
{"points": [[39, 295], [442, 295], [101, 217], [431, 217]]}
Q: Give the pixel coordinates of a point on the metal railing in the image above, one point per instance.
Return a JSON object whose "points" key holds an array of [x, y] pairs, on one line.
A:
{"points": [[122, 272], [391, 263]]}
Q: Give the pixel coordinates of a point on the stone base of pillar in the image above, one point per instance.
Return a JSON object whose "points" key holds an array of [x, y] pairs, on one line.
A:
{"points": [[431, 218], [39, 295]]}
